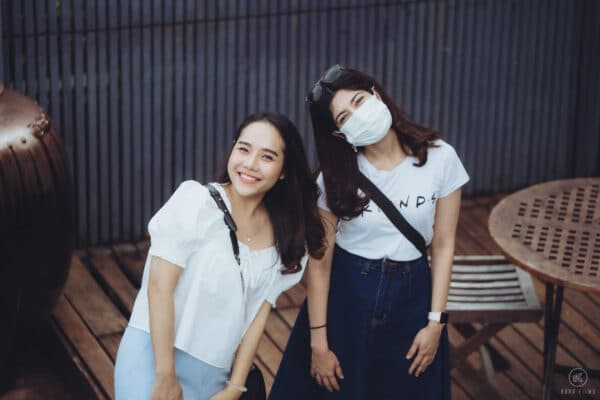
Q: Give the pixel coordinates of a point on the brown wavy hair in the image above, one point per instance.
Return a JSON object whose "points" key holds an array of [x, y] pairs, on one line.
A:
{"points": [[337, 158]]}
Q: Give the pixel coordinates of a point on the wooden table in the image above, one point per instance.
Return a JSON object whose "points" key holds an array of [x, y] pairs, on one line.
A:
{"points": [[552, 230]]}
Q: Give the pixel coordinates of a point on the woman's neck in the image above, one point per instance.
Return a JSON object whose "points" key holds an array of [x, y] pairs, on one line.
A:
{"points": [[387, 153], [244, 206]]}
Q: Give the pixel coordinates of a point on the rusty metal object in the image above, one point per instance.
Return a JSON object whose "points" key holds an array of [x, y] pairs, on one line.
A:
{"points": [[35, 220], [553, 231]]}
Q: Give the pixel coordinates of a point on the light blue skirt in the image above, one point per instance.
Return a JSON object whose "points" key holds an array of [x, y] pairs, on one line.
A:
{"points": [[134, 370]]}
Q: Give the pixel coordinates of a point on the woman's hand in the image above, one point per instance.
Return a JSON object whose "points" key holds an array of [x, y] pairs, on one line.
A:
{"points": [[424, 346], [324, 367], [229, 393], [166, 387]]}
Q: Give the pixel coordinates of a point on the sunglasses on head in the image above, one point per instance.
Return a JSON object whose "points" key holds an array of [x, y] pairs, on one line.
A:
{"points": [[330, 76]]}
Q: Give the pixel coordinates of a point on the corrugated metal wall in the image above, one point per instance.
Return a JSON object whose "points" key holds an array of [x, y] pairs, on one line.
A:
{"points": [[148, 93]]}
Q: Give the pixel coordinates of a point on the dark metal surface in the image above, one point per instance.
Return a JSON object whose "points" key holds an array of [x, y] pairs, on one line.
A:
{"points": [[148, 94], [35, 222]]}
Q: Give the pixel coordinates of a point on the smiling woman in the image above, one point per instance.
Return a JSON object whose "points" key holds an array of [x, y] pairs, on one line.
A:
{"points": [[202, 307]]}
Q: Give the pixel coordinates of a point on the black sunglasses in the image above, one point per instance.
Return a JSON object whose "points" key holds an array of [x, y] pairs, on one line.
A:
{"points": [[330, 76]]}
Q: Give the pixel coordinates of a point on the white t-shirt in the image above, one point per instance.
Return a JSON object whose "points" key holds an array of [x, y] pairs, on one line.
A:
{"points": [[212, 309], [413, 190]]}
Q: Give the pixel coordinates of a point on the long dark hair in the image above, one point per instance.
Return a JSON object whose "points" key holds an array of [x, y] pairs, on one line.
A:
{"points": [[337, 158], [292, 202]]}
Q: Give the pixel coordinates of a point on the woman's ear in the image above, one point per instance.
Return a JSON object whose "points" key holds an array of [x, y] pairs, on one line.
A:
{"points": [[282, 176]]}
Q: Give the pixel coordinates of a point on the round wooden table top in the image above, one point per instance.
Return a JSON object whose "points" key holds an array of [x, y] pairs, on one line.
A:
{"points": [[552, 230]]}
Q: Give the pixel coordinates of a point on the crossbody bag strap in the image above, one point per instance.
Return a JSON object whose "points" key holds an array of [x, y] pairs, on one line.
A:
{"points": [[393, 214], [228, 220]]}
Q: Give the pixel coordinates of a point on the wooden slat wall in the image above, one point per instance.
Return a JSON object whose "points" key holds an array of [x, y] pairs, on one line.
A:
{"points": [[3, 59], [148, 93]]}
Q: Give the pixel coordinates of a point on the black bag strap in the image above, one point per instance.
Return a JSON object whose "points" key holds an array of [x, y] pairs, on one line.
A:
{"points": [[393, 214], [228, 220]]}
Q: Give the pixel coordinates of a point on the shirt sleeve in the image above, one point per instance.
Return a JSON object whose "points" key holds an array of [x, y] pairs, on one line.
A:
{"points": [[282, 282], [322, 200], [454, 173], [177, 229]]}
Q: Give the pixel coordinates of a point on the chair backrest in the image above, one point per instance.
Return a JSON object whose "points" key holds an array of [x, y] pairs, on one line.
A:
{"points": [[489, 289]]}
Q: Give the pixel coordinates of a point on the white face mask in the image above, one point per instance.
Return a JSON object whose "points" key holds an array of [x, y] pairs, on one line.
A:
{"points": [[368, 124]]}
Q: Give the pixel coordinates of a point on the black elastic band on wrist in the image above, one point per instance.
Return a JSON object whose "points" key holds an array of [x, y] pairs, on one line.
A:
{"points": [[318, 327]]}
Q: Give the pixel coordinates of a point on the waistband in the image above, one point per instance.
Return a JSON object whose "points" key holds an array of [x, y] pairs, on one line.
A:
{"points": [[385, 264]]}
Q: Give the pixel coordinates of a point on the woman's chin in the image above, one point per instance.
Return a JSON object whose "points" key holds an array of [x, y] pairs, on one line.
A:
{"points": [[247, 189]]}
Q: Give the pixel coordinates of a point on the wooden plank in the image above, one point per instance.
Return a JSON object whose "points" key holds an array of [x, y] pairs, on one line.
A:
{"points": [[485, 285], [480, 259], [586, 306], [480, 269], [526, 283], [289, 315], [266, 374], [454, 306], [456, 339], [525, 379], [132, 262], [297, 294], [113, 279], [277, 330], [86, 346], [466, 240], [284, 300], [474, 342], [474, 383], [110, 343], [499, 300], [95, 308], [475, 291], [484, 277], [269, 354], [572, 329], [525, 354], [478, 232], [457, 392]]}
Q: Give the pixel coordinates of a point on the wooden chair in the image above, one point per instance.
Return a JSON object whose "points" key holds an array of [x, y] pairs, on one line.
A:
{"points": [[492, 292]]}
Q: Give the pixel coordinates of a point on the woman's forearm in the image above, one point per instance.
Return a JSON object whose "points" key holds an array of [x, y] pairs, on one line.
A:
{"points": [[248, 346], [317, 293], [162, 330], [161, 285], [317, 280], [441, 273], [442, 248]]}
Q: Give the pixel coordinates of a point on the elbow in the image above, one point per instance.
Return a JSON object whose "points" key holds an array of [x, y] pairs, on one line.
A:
{"points": [[443, 244], [157, 290]]}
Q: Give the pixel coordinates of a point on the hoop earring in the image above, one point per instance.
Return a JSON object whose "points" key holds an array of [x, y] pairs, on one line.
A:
{"points": [[339, 134]]}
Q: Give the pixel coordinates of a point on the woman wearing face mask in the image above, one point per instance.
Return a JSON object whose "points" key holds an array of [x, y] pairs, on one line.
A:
{"points": [[373, 326], [201, 309]]}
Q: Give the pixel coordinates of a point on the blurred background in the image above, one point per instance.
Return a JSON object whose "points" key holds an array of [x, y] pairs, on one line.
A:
{"points": [[149, 93], [146, 94]]}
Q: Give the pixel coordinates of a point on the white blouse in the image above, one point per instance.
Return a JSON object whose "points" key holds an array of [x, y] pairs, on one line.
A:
{"points": [[215, 298]]}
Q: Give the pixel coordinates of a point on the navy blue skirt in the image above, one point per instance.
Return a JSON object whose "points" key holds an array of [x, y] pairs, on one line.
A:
{"points": [[375, 309]]}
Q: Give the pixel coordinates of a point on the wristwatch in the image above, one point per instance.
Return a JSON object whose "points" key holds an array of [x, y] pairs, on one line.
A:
{"points": [[441, 317]]}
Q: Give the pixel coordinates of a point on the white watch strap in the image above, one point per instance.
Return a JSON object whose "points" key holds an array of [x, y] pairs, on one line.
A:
{"points": [[434, 316]]}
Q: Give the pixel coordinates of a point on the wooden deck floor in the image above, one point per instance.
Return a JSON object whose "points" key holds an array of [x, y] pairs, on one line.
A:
{"points": [[91, 315]]}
